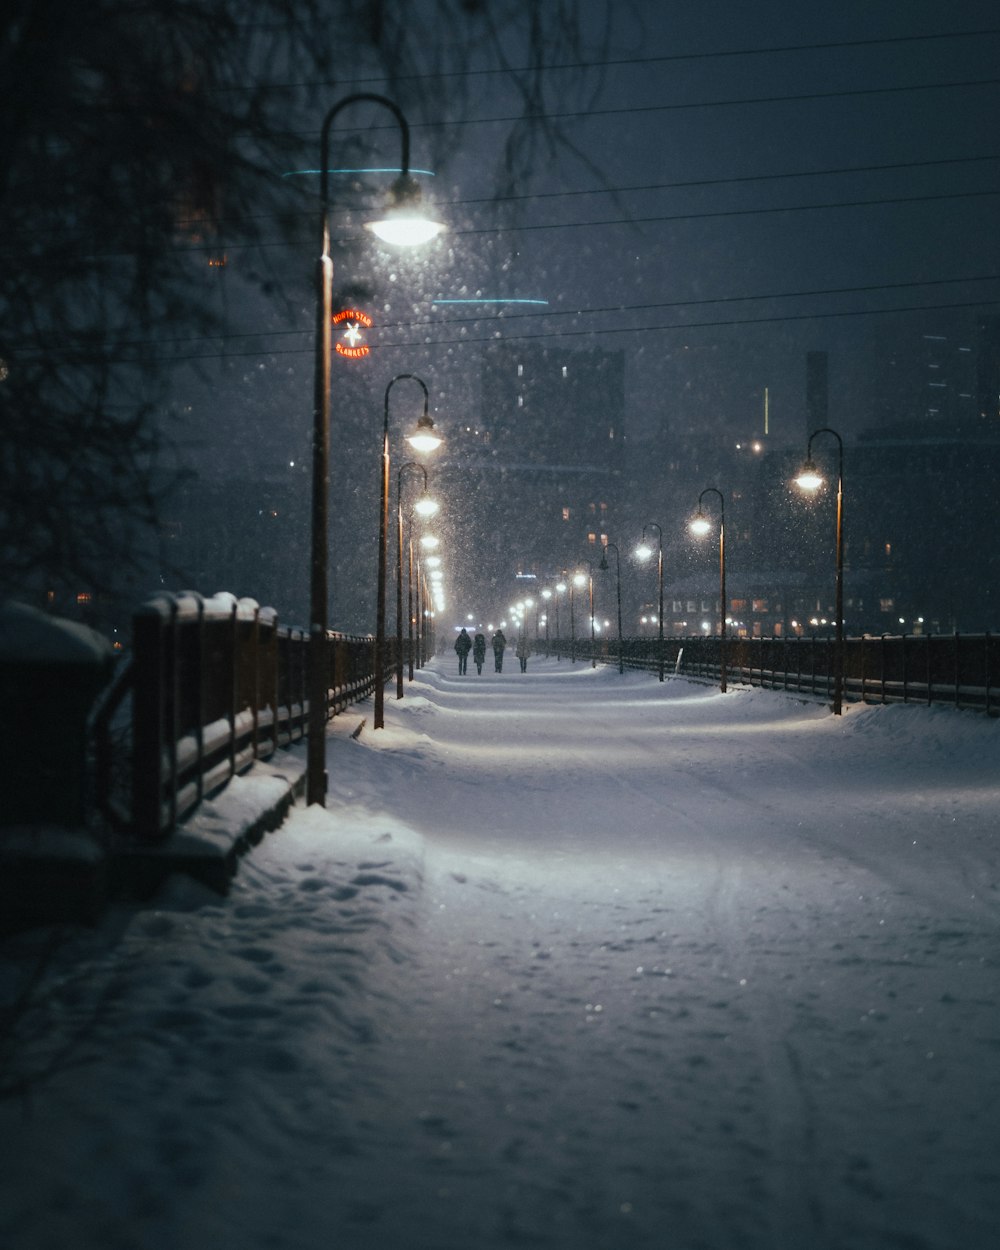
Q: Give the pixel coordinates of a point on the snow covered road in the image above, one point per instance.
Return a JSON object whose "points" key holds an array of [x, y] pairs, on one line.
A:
{"points": [[570, 960]]}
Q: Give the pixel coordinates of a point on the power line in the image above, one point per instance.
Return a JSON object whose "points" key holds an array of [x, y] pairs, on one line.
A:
{"points": [[878, 202], [737, 102], [808, 293], [741, 179], [628, 62], [602, 331]]}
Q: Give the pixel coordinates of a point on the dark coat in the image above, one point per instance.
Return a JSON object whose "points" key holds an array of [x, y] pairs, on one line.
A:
{"points": [[499, 642], [463, 643], [479, 647]]}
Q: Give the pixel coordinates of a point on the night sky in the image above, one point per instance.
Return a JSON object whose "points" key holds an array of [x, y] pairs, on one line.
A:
{"points": [[727, 188]]}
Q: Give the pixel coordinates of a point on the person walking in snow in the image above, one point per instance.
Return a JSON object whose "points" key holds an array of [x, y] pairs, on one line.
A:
{"points": [[479, 651], [463, 645], [499, 642], [523, 650]]}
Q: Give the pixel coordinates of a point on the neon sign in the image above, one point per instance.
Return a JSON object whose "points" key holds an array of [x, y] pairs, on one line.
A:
{"points": [[352, 342]]}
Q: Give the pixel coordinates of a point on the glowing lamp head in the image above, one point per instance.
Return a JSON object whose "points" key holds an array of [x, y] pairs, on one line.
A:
{"points": [[810, 478], [425, 506], [425, 437], [643, 551], [405, 223], [700, 525], [579, 579]]}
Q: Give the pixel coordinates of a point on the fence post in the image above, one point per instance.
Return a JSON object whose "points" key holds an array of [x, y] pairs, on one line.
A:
{"points": [[906, 688], [930, 673], [148, 714]]}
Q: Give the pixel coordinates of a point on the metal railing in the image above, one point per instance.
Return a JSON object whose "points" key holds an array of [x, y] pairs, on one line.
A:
{"points": [[962, 670], [213, 685]]}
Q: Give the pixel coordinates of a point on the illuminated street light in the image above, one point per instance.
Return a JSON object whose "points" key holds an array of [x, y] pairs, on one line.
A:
{"points": [[546, 595], [560, 590], [643, 552], [424, 426], [604, 566], [577, 580], [590, 583], [405, 223], [810, 479], [702, 526], [318, 683], [424, 506]]}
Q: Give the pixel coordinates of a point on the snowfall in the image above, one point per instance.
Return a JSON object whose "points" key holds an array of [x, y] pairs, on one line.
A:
{"points": [[570, 959]]}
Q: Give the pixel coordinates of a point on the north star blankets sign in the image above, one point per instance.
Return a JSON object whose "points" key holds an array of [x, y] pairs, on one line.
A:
{"points": [[351, 342]]}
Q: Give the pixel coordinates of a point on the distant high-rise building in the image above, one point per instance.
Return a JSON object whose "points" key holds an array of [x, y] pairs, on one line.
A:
{"points": [[540, 471], [988, 368], [929, 376]]}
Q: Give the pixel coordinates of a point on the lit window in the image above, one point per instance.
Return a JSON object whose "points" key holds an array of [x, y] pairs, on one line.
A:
{"points": [[886, 605], [565, 514], [591, 538], [760, 605], [565, 371]]}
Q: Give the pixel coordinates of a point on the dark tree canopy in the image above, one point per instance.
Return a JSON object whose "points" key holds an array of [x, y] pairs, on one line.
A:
{"points": [[137, 143]]}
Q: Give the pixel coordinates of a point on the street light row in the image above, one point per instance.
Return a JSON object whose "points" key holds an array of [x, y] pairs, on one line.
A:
{"points": [[406, 225], [403, 225], [809, 479]]}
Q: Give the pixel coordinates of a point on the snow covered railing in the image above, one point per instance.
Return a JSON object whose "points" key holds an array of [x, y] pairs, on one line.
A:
{"points": [[960, 669], [215, 684]]}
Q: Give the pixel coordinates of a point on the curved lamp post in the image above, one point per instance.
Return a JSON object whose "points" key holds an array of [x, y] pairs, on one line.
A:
{"points": [[560, 590], [422, 439], [701, 526], [618, 575], [810, 479], [590, 584], [405, 194], [424, 506], [578, 579], [644, 551]]}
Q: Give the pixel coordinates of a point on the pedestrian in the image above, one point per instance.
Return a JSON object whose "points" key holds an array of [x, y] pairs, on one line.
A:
{"points": [[523, 650], [479, 651], [463, 645], [499, 642]]}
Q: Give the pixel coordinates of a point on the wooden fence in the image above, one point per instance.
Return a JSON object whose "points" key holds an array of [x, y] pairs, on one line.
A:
{"points": [[211, 685]]}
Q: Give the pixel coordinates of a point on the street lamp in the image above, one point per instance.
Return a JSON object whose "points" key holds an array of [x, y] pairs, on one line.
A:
{"points": [[560, 590], [578, 579], [424, 506], [405, 194], [604, 566], [701, 526], [423, 439], [590, 583], [546, 595], [644, 551], [810, 479]]}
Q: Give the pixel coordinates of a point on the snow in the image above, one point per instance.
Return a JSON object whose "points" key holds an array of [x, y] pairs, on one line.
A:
{"points": [[569, 960]]}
